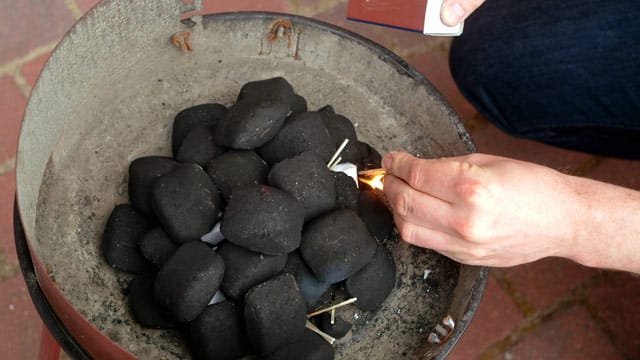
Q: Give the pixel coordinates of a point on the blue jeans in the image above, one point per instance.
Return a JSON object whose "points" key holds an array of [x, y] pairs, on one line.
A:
{"points": [[566, 73]]}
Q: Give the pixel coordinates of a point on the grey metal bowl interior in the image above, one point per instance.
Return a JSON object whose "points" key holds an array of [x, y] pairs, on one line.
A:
{"points": [[108, 95]]}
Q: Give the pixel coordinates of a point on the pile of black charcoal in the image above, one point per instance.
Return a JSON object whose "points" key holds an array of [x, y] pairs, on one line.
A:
{"points": [[246, 229]]}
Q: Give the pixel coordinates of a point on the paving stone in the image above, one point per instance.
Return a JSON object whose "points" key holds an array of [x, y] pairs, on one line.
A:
{"points": [[491, 140], [545, 281], [210, 7], [616, 302], [20, 325], [86, 5], [616, 171], [496, 317], [27, 24], [32, 69], [7, 245], [12, 104], [568, 335]]}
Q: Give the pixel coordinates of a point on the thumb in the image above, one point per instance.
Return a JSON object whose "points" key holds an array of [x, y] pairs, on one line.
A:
{"points": [[454, 11]]}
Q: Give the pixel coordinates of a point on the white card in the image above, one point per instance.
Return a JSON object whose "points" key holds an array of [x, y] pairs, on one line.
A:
{"points": [[434, 26]]}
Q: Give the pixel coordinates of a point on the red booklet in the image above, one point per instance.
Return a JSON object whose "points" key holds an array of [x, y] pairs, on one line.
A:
{"points": [[422, 16]]}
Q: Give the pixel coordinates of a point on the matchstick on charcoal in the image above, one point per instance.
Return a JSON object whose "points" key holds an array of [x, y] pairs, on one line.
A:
{"points": [[330, 339], [332, 307]]}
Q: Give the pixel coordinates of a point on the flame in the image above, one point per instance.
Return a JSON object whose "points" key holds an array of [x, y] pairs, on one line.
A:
{"points": [[374, 181]]}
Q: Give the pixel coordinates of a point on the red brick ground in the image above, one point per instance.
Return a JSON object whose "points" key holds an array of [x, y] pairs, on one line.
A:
{"points": [[551, 309]]}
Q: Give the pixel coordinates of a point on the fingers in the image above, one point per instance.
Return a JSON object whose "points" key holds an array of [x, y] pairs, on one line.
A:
{"points": [[445, 244], [441, 178], [454, 11], [417, 207]]}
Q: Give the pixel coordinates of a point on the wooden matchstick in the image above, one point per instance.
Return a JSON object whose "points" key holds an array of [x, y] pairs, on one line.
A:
{"points": [[330, 339], [373, 172], [321, 311], [332, 162]]}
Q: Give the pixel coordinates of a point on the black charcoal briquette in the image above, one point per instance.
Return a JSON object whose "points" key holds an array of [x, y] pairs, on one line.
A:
{"points": [[299, 105], [338, 329], [339, 128], [307, 178], [309, 347], [311, 288], [363, 155], [374, 282], [156, 246], [185, 120], [347, 192], [124, 229], [198, 146], [245, 269], [236, 168], [277, 88], [373, 211], [272, 88], [337, 245], [218, 332], [188, 280], [302, 132], [263, 219], [186, 202], [274, 313], [251, 123], [142, 172], [146, 312]]}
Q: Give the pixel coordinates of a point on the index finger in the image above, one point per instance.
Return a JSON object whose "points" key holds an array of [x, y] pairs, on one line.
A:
{"points": [[437, 177]]}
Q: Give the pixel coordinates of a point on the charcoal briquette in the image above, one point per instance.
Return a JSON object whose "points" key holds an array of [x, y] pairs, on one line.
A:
{"points": [[347, 192], [298, 105], [146, 312], [250, 123], [307, 178], [363, 155], [186, 202], [185, 120], [188, 280], [374, 282], [337, 245], [124, 229], [263, 219], [156, 246], [142, 172], [277, 88], [302, 132], [375, 214], [245, 269], [275, 314], [311, 288], [198, 146], [309, 347], [219, 332], [236, 168], [339, 127]]}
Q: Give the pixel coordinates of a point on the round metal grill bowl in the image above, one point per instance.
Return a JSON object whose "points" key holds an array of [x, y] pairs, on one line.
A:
{"points": [[108, 95]]}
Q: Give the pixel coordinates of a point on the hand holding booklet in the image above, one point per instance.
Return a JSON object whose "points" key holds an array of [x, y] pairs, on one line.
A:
{"points": [[413, 15]]}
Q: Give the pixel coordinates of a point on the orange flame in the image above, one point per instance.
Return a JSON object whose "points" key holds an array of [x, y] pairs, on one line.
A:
{"points": [[374, 181]]}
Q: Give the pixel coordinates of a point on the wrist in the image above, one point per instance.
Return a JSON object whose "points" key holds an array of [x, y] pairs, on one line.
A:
{"points": [[606, 226]]}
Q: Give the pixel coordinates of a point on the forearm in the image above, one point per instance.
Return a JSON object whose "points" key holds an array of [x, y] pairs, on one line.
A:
{"points": [[607, 226]]}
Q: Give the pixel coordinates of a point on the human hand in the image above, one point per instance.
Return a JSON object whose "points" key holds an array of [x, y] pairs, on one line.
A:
{"points": [[481, 209], [453, 12]]}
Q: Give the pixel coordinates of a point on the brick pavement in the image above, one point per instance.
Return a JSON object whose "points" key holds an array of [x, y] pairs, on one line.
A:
{"points": [[550, 309]]}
